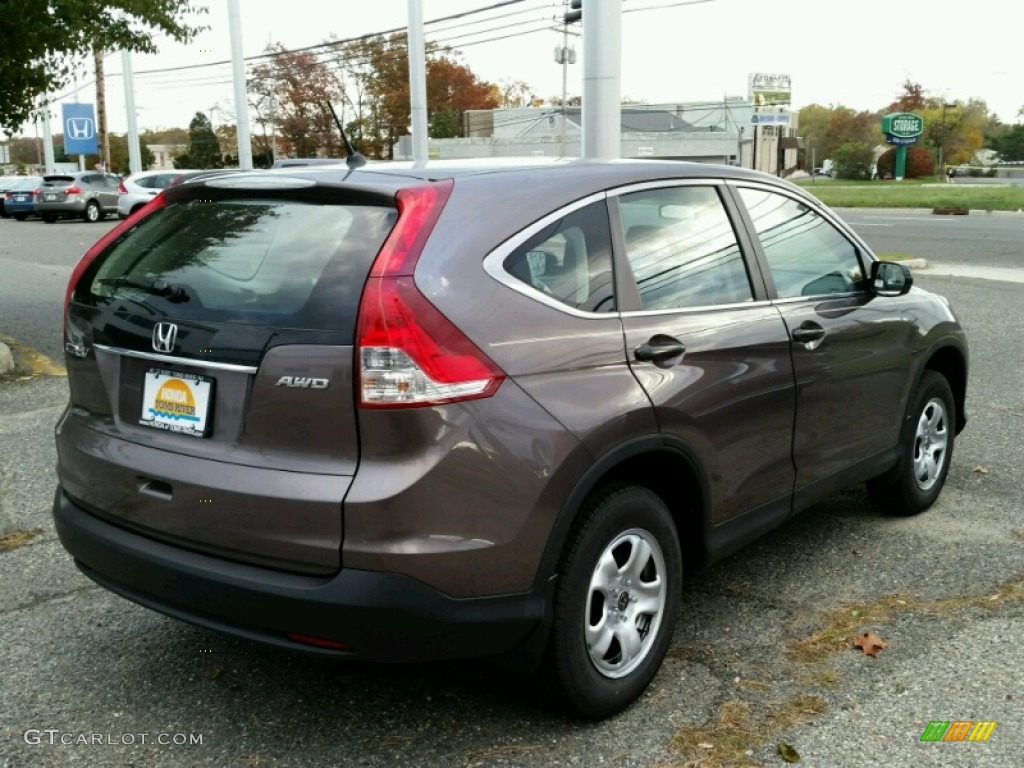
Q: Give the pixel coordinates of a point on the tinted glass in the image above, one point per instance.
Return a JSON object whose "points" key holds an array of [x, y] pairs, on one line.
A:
{"points": [[570, 260], [682, 248], [262, 262], [807, 256]]}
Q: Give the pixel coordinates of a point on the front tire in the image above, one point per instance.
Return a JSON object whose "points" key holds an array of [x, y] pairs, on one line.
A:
{"points": [[49, 219], [617, 599], [926, 446]]}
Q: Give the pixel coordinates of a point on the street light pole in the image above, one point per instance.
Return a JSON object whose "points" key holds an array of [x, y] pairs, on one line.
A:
{"points": [[942, 143]]}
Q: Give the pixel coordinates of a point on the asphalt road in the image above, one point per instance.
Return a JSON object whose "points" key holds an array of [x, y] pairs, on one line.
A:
{"points": [[750, 664]]}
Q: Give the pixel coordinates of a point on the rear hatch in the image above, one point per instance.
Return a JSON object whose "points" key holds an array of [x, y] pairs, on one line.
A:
{"points": [[210, 365], [55, 188]]}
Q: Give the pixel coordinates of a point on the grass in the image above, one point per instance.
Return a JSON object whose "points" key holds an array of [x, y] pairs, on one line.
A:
{"points": [[741, 727], [15, 539], [916, 194]]}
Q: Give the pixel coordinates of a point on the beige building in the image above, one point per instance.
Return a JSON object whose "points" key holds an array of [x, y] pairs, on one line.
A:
{"points": [[164, 154]]}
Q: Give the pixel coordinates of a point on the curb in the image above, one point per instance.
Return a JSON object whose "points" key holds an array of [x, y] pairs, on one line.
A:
{"points": [[914, 263], [6, 359]]}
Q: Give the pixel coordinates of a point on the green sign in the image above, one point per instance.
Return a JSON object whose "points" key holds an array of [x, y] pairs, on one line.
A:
{"points": [[903, 125]]}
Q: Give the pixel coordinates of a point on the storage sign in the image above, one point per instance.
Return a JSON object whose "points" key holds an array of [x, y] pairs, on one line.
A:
{"points": [[903, 125]]}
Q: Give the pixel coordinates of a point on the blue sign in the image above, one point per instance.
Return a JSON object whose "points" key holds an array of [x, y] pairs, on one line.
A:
{"points": [[770, 118], [79, 129], [890, 139]]}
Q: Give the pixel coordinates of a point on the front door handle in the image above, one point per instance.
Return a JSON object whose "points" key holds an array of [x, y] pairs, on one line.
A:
{"points": [[808, 331], [663, 351]]}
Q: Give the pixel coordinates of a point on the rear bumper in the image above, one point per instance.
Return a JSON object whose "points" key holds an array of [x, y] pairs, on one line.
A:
{"points": [[379, 616]]}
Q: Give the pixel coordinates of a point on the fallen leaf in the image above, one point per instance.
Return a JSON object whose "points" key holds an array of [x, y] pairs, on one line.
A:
{"points": [[870, 643], [705, 745], [789, 754], [981, 470], [215, 672]]}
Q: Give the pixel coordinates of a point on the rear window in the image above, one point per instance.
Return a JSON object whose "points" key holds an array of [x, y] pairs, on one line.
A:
{"points": [[273, 262]]}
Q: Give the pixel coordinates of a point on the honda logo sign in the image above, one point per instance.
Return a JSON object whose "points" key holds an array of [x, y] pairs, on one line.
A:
{"points": [[164, 337], [79, 129]]}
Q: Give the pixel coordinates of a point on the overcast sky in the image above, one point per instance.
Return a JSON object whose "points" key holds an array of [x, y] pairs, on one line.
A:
{"points": [[854, 52]]}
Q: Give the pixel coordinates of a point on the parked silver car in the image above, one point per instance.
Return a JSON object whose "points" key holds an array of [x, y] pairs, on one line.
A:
{"points": [[139, 188], [89, 195]]}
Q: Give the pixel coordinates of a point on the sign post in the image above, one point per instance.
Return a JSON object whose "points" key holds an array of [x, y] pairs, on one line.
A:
{"points": [[902, 129]]}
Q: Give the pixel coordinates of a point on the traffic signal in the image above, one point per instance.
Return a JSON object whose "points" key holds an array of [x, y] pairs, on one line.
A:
{"points": [[574, 15]]}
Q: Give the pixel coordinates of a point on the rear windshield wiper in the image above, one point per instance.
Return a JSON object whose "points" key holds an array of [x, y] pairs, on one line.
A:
{"points": [[156, 287]]}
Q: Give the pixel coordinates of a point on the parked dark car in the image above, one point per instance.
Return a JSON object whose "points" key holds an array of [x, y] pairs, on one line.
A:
{"points": [[88, 195], [21, 197], [401, 414]]}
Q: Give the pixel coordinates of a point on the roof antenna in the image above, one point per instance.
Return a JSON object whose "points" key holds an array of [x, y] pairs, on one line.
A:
{"points": [[354, 159]]}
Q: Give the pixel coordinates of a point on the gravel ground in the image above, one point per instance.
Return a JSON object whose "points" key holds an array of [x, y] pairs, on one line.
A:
{"points": [[738, 680]]}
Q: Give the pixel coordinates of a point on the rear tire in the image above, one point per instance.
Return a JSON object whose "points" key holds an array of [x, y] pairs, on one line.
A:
{"points": [[617, 599], [20, 216], [926, 447], [92, 212], [49, 219]]}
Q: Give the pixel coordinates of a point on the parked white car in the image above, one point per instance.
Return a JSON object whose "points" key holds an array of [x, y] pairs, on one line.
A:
{"points": [[138, 189]]}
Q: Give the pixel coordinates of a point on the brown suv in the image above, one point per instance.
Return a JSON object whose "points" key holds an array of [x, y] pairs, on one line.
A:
{"points": [[398, 414]]}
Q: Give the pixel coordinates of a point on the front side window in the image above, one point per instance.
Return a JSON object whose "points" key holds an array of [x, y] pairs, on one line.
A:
{"points": [[570, 260], [806, 255], [682, 248]]}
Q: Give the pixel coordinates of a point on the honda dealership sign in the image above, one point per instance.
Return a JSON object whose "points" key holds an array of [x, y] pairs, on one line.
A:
{"points": [[79, 129]]}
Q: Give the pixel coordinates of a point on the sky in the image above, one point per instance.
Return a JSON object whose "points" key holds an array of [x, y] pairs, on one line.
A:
{"points": [[856, 53]]}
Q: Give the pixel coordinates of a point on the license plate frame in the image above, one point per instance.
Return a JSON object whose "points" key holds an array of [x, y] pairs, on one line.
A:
{"points": [[175, 401]]}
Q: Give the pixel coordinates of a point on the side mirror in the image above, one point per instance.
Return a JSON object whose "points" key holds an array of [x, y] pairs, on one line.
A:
{"points": [[890, 279]]}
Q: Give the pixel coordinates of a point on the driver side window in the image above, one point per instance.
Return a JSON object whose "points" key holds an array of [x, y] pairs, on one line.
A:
{"points": [[807, 256]]}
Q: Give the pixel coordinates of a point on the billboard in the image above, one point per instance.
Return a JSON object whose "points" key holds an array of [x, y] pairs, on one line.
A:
{"points": [[79, 123], [769, 90]]}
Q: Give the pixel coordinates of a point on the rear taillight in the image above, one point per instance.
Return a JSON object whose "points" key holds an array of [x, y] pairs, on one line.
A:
{"points": [[73, 190], [121, 188], [155, 204], [35, 193], [8, 195], [409, 354]]}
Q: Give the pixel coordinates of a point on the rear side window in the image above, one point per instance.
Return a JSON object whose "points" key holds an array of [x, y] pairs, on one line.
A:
{"points": [[263, 262], [570, 260]]}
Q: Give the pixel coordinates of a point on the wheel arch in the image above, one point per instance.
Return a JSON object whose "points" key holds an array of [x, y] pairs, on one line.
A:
{"points": [[664, 465], [951, 362]]}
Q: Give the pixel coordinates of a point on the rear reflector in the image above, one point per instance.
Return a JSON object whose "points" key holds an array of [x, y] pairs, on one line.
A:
{"points": [[319, 642], [409, 353]]}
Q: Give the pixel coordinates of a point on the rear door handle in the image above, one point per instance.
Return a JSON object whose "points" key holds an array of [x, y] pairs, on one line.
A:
{"points": [[808, 331], [663, 351]]}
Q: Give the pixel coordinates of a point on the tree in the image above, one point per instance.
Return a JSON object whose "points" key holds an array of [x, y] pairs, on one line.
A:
{"points": [[814, 120], [1010, 146], [203, 148], [847, 126], [919, 163], [44, 42], [853, 160], [375, 77], [291, 93], [119, 161]]}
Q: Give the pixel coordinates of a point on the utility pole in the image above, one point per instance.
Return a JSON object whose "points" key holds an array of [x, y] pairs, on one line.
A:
{"points": [[238, 75], [134, 152], [417, 82], [602, 100], [47, 139], [101, 110]]}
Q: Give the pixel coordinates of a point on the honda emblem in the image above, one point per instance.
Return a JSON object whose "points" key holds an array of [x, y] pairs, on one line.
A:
{"points": [[164, 337]]}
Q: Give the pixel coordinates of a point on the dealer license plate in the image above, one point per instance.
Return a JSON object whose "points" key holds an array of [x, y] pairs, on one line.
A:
{"points": [[176, 402]]}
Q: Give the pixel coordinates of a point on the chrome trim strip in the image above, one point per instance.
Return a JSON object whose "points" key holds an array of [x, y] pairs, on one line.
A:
{"points": [[178, 360], [662, 183], [696, 310]]}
